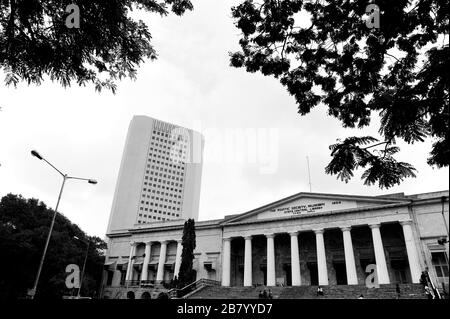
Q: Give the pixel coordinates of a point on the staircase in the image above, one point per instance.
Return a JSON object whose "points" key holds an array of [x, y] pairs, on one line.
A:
{"points": [[192, 288], [407, 291]]}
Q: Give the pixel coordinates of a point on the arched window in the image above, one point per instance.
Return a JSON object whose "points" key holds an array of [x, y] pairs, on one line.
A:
{"points": [[146, 295]]}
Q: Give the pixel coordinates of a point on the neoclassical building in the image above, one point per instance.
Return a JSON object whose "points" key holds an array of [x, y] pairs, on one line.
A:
{"points": [[305, 239]]}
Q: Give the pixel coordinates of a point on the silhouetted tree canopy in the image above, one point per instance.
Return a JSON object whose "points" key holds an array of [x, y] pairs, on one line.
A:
{"points": [[187, 274], [399, 71], [24, 225], [108, 45]]}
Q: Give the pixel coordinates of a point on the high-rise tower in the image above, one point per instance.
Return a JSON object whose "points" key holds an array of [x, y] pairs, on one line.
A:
{"points": [[160, 174]]}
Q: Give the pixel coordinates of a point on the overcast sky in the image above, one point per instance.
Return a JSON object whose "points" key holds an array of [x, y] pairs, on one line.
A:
{"points": [[191, 84]]}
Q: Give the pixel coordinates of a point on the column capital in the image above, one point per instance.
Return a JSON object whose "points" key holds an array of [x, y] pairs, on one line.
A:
{"points": [[294, 233], [179, 241], [164, 242], [133, 243], [148, 242], [319, 231], [346, 228], [405, 222], [226, 238], [249, 237], [375, 225], [272, 235]]}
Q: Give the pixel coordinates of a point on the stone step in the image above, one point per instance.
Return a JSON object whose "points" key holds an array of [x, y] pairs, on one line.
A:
{"points": [[407, 291]]}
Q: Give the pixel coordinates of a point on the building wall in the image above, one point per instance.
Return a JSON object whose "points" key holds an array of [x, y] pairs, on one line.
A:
{"points": [[209, 248], [128, 186], [191, 196], [432, 224]]}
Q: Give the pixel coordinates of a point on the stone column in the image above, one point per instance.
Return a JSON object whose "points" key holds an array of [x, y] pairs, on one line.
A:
{"points": [[350, 266], [162, 260], [271, 280], [129, 274], [321, 258], [178, 259], [413, 257], [226, 262], [380, 259], [148, 250], [295, 260], [248, 262]]}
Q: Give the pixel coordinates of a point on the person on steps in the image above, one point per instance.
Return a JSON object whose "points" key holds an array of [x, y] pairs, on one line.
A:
{"points": [[319, 291]]}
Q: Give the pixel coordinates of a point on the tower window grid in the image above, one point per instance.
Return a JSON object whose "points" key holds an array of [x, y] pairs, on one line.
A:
{"points": [[158, 164]]}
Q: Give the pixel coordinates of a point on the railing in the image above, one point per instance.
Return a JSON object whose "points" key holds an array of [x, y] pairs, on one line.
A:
{"points": [[143, 283], [146, 283], [179, 293], [132, 283], [173, 292]]}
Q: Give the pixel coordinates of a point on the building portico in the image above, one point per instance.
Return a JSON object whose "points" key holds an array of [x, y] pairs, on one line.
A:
{"points": [[280, 258]]}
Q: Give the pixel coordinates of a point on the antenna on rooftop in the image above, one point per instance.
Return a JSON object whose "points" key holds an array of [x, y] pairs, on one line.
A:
{"points": [[309, 174]]}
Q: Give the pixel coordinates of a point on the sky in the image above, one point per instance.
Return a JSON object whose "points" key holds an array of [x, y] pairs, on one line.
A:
{"points": [[191, 84]]}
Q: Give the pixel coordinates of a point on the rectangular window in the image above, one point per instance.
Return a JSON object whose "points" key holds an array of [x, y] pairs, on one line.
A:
{"points": [[440, 263]]}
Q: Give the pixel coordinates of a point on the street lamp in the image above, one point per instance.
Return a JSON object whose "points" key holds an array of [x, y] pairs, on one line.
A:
{"points": [[32, 292], [84, 263]]}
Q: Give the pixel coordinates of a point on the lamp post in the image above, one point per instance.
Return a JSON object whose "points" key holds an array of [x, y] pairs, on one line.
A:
{"points": [[84, 264], [32, 292]]}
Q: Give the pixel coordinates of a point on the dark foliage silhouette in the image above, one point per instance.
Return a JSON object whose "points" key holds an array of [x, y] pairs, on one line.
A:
{"points": [[109, 44], [399, 71], [24, 225]]}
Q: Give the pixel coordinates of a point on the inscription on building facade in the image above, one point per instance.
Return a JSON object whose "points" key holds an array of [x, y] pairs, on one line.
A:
{"points": [[306, 206]]}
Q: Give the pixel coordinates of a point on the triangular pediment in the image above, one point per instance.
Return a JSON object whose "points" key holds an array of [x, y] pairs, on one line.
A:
{"points": [[312, 203]]}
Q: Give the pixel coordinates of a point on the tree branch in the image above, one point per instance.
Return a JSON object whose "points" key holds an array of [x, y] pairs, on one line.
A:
{"points": [[11, 22], [392, 56], [381, 143]]}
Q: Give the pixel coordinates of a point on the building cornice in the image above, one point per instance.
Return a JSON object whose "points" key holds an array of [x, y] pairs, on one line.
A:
{"points": [[424, 201], [360, 198], [153, 228], [317, 214]]}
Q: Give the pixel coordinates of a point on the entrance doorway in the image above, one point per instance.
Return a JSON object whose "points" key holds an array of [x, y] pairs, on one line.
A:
{"points": [[313, 273], [341, 273], [263, 268], [400, 269], [287, 274]]}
